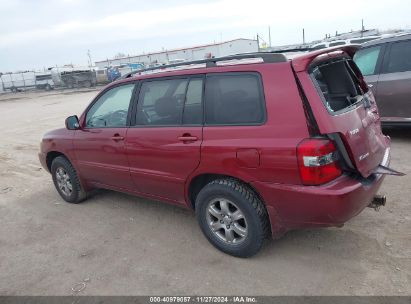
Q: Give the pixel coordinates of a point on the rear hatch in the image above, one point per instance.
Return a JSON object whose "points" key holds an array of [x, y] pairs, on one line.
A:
{"points": [[342, 105]]}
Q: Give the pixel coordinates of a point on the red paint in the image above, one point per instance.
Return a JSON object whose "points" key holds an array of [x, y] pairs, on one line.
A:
{"points": [[161, 162]]}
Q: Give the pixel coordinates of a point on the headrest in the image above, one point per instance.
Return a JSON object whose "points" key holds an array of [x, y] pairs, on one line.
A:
{"points": [[166, 106]]}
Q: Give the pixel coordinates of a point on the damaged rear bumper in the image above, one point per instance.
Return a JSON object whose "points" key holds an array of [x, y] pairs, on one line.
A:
{"points": [[331, 204]]}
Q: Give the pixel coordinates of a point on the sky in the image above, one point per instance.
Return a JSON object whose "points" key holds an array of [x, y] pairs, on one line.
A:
{"points": [[38, 34]]}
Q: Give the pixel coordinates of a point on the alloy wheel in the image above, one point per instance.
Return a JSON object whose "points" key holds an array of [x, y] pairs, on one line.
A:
{"points": [[226, 221]]}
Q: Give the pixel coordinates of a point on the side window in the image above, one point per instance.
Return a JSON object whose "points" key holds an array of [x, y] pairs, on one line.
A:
{"points": [[319, 47], [161, 102], [366, 60], [111, 109], [337, 43], [193, 109], [399, 59], [234, 99]]}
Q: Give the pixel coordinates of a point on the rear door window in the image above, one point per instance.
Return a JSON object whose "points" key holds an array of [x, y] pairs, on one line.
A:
{"points": [[193, 107], [234, 99], [399, 59], [161, 102], [171, 102], [366, 60]]}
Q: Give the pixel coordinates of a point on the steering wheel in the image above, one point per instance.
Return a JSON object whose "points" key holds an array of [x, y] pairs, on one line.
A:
{"points": [[117, 118]]}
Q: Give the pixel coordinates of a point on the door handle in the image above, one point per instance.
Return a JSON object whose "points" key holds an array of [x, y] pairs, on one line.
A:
{"points": [[187, 138], [117, 137]]}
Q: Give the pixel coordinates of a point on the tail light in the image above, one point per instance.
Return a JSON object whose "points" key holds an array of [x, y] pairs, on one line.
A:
{"points": [[317, 161]]}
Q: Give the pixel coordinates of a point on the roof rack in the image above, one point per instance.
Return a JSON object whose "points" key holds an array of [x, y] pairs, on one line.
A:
{"points": [[212, 62]]}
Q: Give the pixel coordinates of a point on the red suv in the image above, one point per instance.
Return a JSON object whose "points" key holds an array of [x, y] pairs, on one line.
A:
{"points": [[256, 144]]}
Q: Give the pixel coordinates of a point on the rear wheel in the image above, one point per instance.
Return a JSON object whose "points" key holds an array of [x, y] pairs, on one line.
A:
{"points": [[66, 181], [232, 217]]}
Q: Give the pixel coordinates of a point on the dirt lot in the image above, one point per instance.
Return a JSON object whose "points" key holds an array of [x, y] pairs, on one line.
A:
{"points": [[116, 244]]}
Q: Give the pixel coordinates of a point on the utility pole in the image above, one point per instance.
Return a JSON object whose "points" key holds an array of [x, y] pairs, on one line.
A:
{"points": [[269, 36], [89, 58], [303, 36], [362, 27]]}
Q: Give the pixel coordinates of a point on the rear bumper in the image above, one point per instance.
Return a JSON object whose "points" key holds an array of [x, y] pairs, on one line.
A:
{"points": [[332, 204]]}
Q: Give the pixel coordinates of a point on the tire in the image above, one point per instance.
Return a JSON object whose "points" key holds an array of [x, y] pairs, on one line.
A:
{"points": [[249, 232], [47, 87], [61, 170]]}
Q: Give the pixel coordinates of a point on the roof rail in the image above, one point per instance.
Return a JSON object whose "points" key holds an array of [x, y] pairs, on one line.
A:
{"points": [[212, 62]]}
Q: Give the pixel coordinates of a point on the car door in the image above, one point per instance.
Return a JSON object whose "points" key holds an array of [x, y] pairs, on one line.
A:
{"points": [[100, 144], [163, 144], [394, 84]]}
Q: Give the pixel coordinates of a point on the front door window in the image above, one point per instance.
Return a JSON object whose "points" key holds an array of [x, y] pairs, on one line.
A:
{"points": [[111, 109]]}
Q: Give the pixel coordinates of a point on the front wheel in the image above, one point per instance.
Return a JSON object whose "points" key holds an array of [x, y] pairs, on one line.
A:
{"points": [[232, 217], [66, 181]]}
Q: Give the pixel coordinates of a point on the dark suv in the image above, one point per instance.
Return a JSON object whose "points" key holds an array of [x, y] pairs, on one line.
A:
{"points": [[386, 65], [256, 144]]}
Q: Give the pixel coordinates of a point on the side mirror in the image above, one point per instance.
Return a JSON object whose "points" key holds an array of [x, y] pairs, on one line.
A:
{"points": [[72, 123]]}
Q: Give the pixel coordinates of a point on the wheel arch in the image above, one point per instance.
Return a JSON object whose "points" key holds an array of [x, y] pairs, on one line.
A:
{"points": [[199, 181], [51, 155]]}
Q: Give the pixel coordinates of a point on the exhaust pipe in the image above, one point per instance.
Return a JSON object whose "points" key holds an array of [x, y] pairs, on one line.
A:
{"points": [[377, 202]]}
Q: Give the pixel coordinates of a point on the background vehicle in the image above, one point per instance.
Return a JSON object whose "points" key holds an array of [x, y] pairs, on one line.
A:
{"points": [[251, 152], [21, 81], [102, 76], [386, 65], [44, 82], [358, 40], [79, 78]]}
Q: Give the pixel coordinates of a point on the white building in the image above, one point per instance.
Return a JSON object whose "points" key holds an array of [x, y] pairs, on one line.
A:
{"points": [[236, 46]]}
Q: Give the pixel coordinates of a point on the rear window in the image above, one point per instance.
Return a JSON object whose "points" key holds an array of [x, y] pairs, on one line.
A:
{"points": [[399, 59], [338, 85], [234, 99], [366, 60]]}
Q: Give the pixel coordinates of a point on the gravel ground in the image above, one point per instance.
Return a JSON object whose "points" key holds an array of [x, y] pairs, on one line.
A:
{"points": [[116, 244]]}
